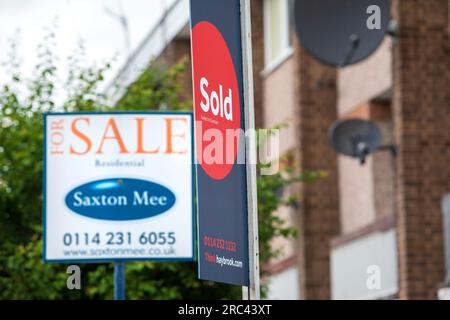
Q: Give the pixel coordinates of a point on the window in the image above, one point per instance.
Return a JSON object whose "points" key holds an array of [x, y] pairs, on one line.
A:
{"points": [[278, 25]]}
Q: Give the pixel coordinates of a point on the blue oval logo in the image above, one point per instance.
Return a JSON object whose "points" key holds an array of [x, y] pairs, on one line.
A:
{"points": [[120, 199]]}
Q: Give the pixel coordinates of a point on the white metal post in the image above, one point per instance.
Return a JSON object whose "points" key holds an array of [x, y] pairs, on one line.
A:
{"points": [[253, 291]]}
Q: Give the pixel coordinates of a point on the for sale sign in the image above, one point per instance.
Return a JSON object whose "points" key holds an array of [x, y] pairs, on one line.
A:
{"points": [[118, 186]]}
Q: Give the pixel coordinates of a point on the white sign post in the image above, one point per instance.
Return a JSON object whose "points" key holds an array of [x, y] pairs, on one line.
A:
{"points": [[253, 291], [118, 187]]}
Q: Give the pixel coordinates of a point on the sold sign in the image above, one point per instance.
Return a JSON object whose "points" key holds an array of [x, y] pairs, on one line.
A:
{"points": [[216, 101], [219, 112]]}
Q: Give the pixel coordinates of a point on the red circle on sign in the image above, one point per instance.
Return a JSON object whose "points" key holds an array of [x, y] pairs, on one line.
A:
{"points": [[216, 101]]}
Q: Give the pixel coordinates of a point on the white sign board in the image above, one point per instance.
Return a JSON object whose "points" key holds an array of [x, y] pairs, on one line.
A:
{"points": [[118, 186]]}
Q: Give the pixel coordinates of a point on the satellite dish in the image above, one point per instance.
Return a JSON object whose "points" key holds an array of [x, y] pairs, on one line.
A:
{"points": [[341, 32], [356, 138]]}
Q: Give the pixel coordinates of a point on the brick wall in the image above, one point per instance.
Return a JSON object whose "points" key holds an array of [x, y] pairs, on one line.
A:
{"points": [[367, 192], [384, 173], [179, 50], [315, 87], [363, 81], [280, 108], [356, 191], [258, 59], [279, 103], [422, 129]]}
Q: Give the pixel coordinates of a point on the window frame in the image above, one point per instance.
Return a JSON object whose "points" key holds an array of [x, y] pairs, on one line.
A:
{"points": [[271, 61]]}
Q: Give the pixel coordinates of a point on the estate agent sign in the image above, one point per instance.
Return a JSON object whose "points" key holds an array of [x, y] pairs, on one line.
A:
{"points": [[118, 186]]}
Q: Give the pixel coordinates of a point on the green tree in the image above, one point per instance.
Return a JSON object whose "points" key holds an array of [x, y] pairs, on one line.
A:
{"points": [[22, 101]]}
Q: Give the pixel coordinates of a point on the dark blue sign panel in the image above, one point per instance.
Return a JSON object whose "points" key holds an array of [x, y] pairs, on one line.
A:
{"points": [[219, 115]]}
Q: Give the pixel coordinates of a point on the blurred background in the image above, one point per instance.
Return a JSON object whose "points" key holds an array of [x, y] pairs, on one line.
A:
{"points": [[330, 227]]}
